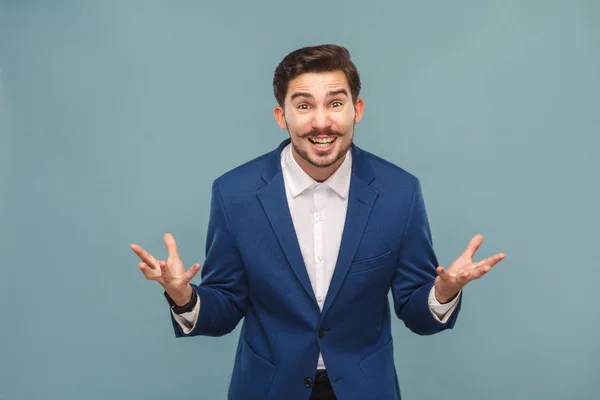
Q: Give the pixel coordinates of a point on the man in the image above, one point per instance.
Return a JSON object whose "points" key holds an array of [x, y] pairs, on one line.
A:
{"points": [[306, 242]]}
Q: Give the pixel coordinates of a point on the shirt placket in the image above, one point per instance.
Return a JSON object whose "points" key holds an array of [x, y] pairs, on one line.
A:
{"points": [[319, 242]]}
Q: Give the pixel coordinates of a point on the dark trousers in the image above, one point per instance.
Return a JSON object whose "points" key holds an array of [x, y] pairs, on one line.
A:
{"points": [[322, 389]]}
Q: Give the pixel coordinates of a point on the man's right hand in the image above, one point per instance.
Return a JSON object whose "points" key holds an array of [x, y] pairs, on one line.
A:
{"points": [[170, 274]]}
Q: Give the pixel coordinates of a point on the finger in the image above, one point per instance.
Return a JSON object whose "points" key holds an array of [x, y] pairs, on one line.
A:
{"points": [[189, 275], [442, 273], [490, 261], [145, 256], [480, 270], [464, 277], [495, 259], [473, 245], [149, 273], [165, 271], [171, 246]]}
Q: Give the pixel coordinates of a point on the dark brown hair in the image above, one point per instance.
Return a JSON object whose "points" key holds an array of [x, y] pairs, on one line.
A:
{"points": [[322, 58]]}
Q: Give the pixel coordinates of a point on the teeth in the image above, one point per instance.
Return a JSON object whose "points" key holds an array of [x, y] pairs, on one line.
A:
{"points": [[322, 140]]}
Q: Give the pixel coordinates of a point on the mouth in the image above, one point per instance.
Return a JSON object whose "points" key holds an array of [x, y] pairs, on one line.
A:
{"points": [[322, 143]]}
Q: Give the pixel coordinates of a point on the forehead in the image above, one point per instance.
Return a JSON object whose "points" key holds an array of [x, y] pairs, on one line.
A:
{"points": [[318, 82]]}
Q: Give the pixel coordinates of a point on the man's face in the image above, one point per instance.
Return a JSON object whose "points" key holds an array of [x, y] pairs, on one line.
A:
{"points": [[319, 115]]}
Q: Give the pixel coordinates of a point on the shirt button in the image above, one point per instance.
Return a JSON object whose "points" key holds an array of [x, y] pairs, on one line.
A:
{"points": [[320, 258], [308, 382], [320, 299]]}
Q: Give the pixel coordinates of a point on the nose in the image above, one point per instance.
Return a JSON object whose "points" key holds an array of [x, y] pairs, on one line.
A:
{"points": [[321, 120]]}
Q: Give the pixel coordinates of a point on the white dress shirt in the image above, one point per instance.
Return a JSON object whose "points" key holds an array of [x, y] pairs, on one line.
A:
{"points": [[318, 211]]}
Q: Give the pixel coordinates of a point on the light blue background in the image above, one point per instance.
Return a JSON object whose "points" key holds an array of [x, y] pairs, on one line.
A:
{"points": [[115, 117]]}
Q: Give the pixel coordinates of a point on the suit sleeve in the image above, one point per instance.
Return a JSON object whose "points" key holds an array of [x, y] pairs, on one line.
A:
{"points": [[223, 291], [415, 272]]}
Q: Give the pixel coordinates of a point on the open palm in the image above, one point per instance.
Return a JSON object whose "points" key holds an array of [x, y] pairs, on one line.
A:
{"points": [[463, 270], [170, 274]]}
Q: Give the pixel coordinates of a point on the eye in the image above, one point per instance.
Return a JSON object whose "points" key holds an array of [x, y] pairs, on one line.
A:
{"points": [[303, 106], [336, 104]]}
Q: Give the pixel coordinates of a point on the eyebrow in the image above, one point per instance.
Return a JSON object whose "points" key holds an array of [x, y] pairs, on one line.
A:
{"points": [[331, 93]]}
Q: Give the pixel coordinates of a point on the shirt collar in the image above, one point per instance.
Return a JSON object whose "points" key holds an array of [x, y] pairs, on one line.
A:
{"points": [[299, 180]]}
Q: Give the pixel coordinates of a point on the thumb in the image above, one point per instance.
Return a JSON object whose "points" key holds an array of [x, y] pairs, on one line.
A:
{"points": [[442, 273], [190, 273]]}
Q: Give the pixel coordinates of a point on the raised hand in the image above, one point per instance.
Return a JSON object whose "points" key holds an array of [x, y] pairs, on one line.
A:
{"points": [[170, 274], [462, 271]]}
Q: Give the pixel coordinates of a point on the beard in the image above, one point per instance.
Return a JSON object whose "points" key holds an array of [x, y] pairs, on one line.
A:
{"points": [[324, 163]]}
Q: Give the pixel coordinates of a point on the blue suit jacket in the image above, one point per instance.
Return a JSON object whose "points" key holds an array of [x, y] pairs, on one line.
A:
{"points": [[254, 269]]}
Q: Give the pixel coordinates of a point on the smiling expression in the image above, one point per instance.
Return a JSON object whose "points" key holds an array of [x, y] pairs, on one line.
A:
{"points": [[319, 115]]}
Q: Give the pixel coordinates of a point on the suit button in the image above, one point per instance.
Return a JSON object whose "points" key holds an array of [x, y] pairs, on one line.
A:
{"points": [[322, 333], [308, 382]]}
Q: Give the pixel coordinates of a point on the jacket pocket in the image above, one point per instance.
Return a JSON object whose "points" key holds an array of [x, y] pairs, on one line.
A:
{"points": [[252, 374], [379, 369], [369, 263]]}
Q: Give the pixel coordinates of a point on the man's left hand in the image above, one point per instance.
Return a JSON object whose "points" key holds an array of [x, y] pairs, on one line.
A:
{"points": [[462, 271]]}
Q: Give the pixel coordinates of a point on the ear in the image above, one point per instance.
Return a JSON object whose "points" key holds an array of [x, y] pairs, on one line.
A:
{"points": [[359, 107], [279, 115]]}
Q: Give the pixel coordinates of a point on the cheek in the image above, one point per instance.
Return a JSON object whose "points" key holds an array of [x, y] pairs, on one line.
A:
{"points": [[345, 123], [345, 118], [298, 126]]}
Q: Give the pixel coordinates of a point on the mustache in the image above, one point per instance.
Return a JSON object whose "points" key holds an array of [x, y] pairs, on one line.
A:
{"points": [[316, 132]]}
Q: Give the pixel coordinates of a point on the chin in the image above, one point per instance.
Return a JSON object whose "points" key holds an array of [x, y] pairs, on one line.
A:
{"points": [[326, 161], [323, 163]]}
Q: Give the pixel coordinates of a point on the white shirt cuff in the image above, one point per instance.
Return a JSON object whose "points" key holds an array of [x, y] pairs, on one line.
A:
{"points": [[442, 312], [187, 321]]}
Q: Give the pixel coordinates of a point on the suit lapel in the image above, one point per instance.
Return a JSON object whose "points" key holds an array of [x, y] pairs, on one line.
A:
{"points": [[361, 199], [274, 202]]}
